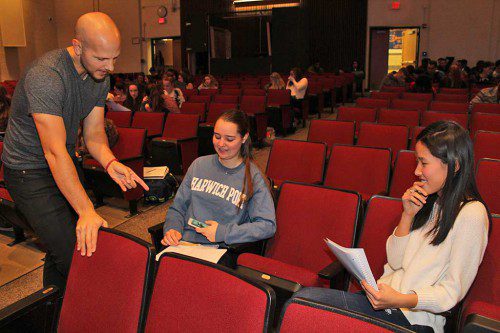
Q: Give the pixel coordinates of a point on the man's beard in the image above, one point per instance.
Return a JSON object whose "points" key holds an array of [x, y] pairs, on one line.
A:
{"points": [[90, 73]]}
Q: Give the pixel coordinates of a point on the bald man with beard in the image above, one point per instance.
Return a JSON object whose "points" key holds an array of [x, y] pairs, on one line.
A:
{"points": [[57, 92]]}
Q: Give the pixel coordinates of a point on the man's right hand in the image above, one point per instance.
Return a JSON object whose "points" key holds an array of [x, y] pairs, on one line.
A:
{"points": [[172, 237], [87, 229]]}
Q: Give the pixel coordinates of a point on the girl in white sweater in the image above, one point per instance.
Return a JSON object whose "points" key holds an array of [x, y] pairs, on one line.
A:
{"points": [[435, 251]]}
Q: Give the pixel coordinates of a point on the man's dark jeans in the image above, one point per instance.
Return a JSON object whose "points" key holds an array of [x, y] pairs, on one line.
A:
{"points": [[37, 196]]}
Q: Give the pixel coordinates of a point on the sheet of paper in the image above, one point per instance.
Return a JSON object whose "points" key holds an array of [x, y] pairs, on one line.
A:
{"points": [[207, 253], [354, 260], [113, 106]]}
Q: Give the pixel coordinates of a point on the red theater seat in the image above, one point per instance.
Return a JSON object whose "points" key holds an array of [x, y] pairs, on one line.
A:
{"points": [[151, 121], [182, 302], [486, 145], [429, 117], [484, 121], [215, 110], [394, 137], [254, 92], [304, 315], [120, 118], [454, 98], [408, 104], [194, 108], [486, 108], [409, 118], [331, 132], [348, 165], [309, 213], [357, 114], [488, 183], [233, 99], [200, 99], [385, 95], [372, 103], [417, 96], [298, 161], [208, 91], [403, 175], [449, 107]]}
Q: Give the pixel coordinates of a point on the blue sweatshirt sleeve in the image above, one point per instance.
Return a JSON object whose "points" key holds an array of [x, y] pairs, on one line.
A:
{"points": [[262, 218], [177, 211]]}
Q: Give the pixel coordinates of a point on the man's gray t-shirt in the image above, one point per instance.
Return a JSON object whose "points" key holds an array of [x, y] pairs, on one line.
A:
{"points": [[50, 85]]}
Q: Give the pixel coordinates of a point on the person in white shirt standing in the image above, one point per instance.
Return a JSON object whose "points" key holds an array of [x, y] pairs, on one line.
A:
{"points": [[297, 84], [434, 253]]}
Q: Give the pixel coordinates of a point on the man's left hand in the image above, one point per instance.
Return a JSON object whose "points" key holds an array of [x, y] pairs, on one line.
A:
{"points": [[209, 231], [124, 176]]}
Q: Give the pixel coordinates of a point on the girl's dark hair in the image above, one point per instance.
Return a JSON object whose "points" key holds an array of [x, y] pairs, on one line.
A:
{"points": [[133, 104], [120, 86], [240, 119], [298, 73], [156, 98], [449, 142]]}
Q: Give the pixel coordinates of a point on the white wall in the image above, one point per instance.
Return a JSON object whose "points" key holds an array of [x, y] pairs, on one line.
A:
{"points": [[465, 29]]}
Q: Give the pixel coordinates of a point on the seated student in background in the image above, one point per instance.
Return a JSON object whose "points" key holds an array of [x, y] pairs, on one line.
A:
{"points": [[173, 93], [4, 108], [394, 79], [184, 81], [434, 253], [134, 98], [226, 190], [119, 93], [297, 84], [486, 95], [275, 82], [209, 82]]}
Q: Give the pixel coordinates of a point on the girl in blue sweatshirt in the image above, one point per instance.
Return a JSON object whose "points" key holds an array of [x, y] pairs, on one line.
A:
{"points": [[225, 190]]}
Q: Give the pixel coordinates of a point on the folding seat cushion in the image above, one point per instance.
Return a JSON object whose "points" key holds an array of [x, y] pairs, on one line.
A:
{"points": [[486, 145], [182, 302], [365, 102], [357, 114], [331, 132], [305, 315], [394, 137], [481, 307], [189, 92], [382, 216], [408, 104], [115, 283], [488, 183], [194, 108], [253, 104], [309, 213], [348, 165], [232, 99], [151, 121], [409, 118], [120, 118], [449, 107], [486, 108], [429, 117], [232, 92], [484, 121], [200, 99], [388, 95], [295, 160], [417, 96], [403, 175], [255, 108], [454, 98]]}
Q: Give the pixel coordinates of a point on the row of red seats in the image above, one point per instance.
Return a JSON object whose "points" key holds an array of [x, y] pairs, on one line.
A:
{"points": [[472, 90], [364, 169], [408, 104], [477, 121], [427, 97]]}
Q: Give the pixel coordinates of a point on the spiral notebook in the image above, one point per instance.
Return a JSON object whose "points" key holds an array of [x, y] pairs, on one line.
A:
{"points": [[354, 260]]}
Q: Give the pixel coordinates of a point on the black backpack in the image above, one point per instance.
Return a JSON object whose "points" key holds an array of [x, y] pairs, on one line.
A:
{"points": [[161, 190]]}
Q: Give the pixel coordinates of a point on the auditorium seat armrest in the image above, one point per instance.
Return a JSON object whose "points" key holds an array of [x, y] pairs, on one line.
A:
{"points": [[331, 271], [477, 323], [251, 247], [17, 315], [156, 233]]}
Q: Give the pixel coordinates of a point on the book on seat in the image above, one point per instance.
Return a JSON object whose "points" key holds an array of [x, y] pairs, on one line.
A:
{"points": [[158, 172]]}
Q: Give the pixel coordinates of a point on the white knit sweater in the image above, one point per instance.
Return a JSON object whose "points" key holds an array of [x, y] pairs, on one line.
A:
{"points": [[439, 275]]}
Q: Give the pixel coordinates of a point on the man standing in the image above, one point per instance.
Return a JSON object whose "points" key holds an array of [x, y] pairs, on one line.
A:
{"points": [[55, 93]]}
